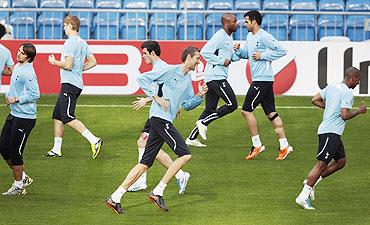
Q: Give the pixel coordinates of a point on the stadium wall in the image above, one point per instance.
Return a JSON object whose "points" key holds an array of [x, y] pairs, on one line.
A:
{"points": [[307, 68]]}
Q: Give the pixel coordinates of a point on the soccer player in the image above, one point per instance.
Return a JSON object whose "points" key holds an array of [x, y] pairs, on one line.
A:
{"points": [[72, 64], [337, 101], [177, 92], [261, 48], [22, 96], [6, 61], [151, 55], [218, 52]]}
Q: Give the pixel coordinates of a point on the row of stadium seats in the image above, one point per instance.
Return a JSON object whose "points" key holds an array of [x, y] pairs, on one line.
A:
{"points": [[170, 26], [337, 5]]}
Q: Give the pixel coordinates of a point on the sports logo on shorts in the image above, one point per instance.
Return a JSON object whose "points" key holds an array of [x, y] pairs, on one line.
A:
{"points": [[327, 155]]}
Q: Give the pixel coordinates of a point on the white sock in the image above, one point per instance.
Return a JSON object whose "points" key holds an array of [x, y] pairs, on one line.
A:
{"points": [[57, 145], [117, 195], [283, 143], [179, 174], [256, 141], [24, 175], [90, 137], [305, 192], [18, 184], [318, 180], [159, 189]]}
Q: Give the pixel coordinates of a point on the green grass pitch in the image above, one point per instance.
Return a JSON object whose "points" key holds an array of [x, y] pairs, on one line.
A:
{"points": [[223, 188]]}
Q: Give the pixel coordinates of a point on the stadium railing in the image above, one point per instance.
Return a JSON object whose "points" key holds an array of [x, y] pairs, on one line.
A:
{"points": [[363, 18]]}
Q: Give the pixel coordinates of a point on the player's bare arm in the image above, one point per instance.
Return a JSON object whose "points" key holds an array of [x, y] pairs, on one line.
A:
{"points": [[67, 64], [8, 71], [347, 114], [162, 102], [141, 102], [90, 63], [318, 101]]}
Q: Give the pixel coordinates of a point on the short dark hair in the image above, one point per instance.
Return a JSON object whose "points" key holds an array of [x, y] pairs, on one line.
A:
{"points": [[30, 50], [2, 30], [352, 72], [254, 15], [152, 46], [189, 50]]}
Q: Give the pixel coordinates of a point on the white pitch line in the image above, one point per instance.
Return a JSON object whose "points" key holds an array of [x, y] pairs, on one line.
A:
{"points": [[130, 106]]}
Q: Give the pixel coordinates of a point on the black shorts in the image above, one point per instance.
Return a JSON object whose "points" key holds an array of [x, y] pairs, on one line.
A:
{"points": [[146, 127], [14, 137], [162, 131], [330, 147], [64, 109], [260, 92]]}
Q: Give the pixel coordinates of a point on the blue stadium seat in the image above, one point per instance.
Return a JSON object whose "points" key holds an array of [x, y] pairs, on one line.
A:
{"points": [[276, 24], [106, 24], [162, 26], [50, 24], [241, 33], [24, 22], [133, 26], [220, 4], [356, 24], [303, 27], [330, 25], [85, 17], [195, 21], [4, 16], [213, 21], [194, 24], [213, 24]]}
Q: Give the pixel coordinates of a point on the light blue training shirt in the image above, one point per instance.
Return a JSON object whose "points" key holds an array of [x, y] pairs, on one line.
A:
{"points": [[24, 86], [270, 50], [336, 97], [215, 51], [77, 48], [177, 89], [5, 59]]}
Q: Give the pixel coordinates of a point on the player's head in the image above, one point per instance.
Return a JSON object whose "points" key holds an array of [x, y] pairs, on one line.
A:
{"points": [[71, 23], [191, 57], [252, 19], [229, 22], [2, 30], [151, 51], [26, 53], [352, 77]]}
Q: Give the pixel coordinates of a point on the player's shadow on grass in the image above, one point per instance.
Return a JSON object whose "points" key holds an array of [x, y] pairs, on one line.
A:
{"points": [[181, 200]]}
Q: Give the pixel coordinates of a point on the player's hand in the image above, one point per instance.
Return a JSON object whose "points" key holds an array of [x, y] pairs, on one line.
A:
{"points": [[362, 108], [178, 114], [203, 90], [10, 100], [162, 102], [51, 59], [256, 56], [140, 103], [227, 62], [236, 46]]}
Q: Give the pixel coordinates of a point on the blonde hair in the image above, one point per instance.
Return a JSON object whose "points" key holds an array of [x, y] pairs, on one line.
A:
{"points": [[74, 21]]}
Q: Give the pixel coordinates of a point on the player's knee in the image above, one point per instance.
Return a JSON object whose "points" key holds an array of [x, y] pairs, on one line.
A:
{"points": [[245, 113], [141, 143], [186, 157], [342, 163], [322, 166], [273, 116]]}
